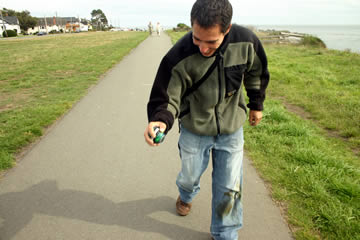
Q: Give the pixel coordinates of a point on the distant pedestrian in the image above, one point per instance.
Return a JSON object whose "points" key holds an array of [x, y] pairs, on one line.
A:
{"points": [[150, 26], [158, 28], [200, 81]]}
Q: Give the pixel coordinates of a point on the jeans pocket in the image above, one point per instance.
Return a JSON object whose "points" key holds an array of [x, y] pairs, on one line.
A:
{"points": [[188, 142]]}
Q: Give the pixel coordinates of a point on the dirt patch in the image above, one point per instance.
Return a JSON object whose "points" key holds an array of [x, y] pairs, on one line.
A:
{"points": [[22, 59], [307, 116], [6, 107], [298, 111], [60, 74], [16, 100]]}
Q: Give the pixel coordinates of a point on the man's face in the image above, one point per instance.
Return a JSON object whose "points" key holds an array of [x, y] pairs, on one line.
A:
{"points": [[208, 39]]}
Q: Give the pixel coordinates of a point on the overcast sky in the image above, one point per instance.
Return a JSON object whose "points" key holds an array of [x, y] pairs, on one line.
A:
{"points": [[137, 13]]}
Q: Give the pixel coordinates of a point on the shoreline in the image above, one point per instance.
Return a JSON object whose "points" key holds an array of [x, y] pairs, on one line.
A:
{"points": [[336, 37]]}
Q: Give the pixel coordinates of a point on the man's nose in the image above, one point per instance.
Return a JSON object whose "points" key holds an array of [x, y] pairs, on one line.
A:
{"points": [[203, 48]]}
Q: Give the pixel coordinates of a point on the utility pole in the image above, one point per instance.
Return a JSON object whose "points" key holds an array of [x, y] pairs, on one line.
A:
{"points": [[63, 27], [45, 25], [3, 21]]}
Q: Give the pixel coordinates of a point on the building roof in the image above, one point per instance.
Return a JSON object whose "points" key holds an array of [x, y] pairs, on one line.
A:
{"points": [[58, 21], [13, 20]]}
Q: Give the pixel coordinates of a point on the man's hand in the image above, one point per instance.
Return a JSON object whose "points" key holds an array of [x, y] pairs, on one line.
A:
{"points": [[255, 117], [150, 131]]}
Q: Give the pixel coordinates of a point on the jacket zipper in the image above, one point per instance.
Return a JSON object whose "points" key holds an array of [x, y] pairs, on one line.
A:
{"points": [[219, 100]]}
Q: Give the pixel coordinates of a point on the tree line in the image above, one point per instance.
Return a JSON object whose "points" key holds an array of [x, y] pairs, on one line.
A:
{"points": [[26, 21]]}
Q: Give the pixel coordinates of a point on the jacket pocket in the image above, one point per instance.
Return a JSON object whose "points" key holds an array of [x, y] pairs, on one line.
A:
{"points": [[183, 113], [233, 78]]}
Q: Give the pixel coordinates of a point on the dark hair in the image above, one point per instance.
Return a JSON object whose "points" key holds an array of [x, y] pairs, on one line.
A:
{"points": [[208, 13]]}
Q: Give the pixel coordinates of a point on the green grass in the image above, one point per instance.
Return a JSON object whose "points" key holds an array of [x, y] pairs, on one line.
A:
{"points": [[175, 35], [313, 41], [42, 77], [315, 177], [325, 83], [309, 172]]}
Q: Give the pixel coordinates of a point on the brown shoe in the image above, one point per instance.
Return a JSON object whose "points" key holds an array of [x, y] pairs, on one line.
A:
{"points": [[182, 208]]}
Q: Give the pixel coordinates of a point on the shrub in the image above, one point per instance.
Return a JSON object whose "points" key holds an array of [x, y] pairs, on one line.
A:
{"points": [[313, 41], [181, 27], [10, 33], [250, 27]]}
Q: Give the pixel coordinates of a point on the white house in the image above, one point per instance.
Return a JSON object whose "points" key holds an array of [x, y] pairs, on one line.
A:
{"points": [[47, 25], [9, 23], [57, 24], [84, 27]]}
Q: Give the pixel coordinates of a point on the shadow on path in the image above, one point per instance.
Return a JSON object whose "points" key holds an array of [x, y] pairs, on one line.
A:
{"points": [[18, 208]]}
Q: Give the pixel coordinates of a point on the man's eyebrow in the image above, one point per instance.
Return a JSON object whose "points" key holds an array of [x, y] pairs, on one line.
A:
{"points": [[212, 41], [197, 39]]}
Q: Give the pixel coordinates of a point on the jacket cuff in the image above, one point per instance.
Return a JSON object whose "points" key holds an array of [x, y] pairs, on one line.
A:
{"points": [[256, 106], [256, 100], [165, 117]]}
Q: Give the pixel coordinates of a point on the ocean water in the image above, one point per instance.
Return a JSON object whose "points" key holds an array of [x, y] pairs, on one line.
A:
{"points": [[340, 37]]}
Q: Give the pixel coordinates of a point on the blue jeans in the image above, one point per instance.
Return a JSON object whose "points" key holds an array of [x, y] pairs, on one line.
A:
{"points": [[227, 156]]}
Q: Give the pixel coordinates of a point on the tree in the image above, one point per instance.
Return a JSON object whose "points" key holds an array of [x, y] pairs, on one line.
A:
{"points": [[8, 12], [99, 19], [182, 27], [26, 21]]}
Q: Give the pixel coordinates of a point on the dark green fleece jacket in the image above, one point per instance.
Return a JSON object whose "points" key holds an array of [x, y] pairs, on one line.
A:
{"points": [[218, 105]]}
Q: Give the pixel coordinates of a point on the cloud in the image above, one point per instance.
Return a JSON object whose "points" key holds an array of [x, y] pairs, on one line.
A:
{"points": [[134, 12]]}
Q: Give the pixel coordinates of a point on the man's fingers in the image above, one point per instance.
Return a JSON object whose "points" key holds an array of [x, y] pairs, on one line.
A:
{"points": [[149, 133], [149, 140], [254, 121], [150, 130], [255, 117], [162, 126], [147, 137]]}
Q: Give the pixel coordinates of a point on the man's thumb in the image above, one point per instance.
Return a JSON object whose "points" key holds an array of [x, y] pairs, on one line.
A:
{"points": [[162, 127]]}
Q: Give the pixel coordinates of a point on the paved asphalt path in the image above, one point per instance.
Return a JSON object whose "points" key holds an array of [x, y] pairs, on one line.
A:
{"points": [[92, 176]]}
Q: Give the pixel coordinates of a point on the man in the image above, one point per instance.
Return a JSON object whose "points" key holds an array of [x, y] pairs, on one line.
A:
{"points": [[150, 27], [158, 28], [200, 82]]}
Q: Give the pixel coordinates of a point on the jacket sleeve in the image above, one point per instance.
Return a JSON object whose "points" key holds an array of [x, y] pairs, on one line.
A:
{"points": [[257, 76], [165, 96]]}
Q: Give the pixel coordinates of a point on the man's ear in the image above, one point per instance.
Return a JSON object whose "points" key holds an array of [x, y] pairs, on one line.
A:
{"points": [[228, 30]]}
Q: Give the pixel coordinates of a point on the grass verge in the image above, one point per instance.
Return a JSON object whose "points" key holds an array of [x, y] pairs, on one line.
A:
{"points": [[324, 82], [42, 77], [316, 177], [309, 172]]}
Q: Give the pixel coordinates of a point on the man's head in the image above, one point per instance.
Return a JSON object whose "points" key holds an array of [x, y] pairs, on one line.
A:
{"points": [[208, 13], [211, 21]]}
